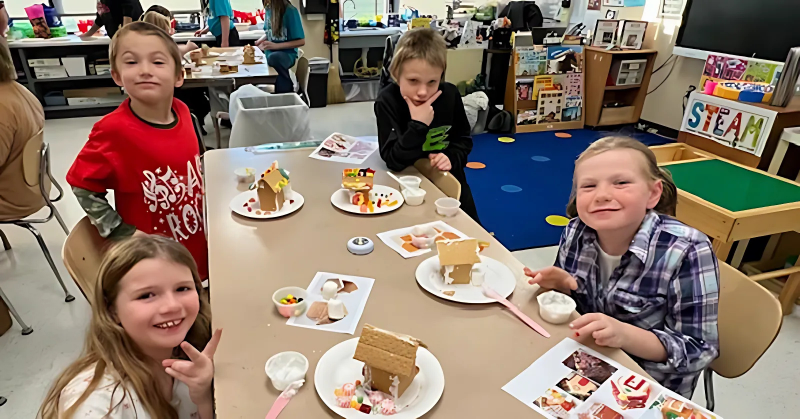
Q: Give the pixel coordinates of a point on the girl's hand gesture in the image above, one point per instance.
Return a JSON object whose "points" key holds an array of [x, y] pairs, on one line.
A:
{"points": [[197, 373], [552, 278]]}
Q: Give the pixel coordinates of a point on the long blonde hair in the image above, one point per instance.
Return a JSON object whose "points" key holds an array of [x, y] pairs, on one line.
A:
{"points": [[669, 194], [109, 348]]}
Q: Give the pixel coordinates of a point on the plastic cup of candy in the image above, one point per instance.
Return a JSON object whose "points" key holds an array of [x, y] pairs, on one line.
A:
{"points": [[414, 196], [447, 206], [285, 306], [410, 182], [555, 307], [285, 368], [245, 174]]}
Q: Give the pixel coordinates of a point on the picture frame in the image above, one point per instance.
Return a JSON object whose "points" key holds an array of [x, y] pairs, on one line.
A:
{"points": [[611, 14], [632, 34], [605, 31]]}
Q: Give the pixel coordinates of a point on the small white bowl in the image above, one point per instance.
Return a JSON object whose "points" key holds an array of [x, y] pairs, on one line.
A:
{"points": [[245, 174], [555, 307], [278, 376], [290, 310], [411, 182], [415, 196], [447, 206]]}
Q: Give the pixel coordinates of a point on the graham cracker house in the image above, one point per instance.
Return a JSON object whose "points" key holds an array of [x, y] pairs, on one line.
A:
{"points": [[358, 179], [457, 258], [271, 188], [389, 359]]}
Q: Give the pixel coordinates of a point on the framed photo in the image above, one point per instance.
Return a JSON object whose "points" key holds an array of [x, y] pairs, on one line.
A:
{"points": [[632, 35], [604, 32], [611, 14]]}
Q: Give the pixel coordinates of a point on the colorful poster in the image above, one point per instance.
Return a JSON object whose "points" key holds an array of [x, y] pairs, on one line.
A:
{"points": [[735, 124], [571, 381], [531, 61], [574, 84]]}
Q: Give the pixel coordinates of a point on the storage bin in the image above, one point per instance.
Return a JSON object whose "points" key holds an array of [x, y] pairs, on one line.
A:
{"points": [[270, 119], [54, 99]]}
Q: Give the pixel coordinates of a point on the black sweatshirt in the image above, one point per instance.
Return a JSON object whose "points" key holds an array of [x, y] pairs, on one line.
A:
{"points": [[403, 141]]}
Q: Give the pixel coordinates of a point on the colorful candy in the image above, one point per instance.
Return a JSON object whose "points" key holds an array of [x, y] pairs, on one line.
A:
{"points": [[355, 405], [387, 407], [291, 299], [348, 390], [375, 397], [365, 408], [343, 402]]}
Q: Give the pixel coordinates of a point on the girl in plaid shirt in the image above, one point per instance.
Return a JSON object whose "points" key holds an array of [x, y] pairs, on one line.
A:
{"points": [[643, 281]]}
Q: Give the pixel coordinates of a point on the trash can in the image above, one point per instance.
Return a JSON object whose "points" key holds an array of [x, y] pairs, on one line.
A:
{"points": [[270, 119], [318, 81]]}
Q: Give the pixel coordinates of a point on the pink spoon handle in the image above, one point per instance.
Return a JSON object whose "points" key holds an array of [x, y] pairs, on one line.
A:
{"points": [[277, 407], [522, 316]]}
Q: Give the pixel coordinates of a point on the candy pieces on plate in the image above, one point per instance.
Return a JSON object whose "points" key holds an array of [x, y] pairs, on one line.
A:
{"points": [[291, 299]]}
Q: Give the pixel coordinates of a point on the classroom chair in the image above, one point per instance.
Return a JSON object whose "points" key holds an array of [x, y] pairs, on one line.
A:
{"points": [[446, 182], [749, 320], [791, 289], [82, 253], [303, 72], [36, 172]]}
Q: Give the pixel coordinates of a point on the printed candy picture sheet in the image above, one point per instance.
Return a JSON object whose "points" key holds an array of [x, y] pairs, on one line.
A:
{"points": [[571, 381]]}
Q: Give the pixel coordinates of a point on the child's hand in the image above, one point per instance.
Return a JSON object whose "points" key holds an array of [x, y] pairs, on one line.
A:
{"points": [[266, 46], [423, 113], [197, 373], [552, 278], [440, 161], [605, 330]]}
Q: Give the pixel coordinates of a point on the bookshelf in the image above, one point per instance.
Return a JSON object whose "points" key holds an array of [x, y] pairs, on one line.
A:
{"points": [[545, 94]]}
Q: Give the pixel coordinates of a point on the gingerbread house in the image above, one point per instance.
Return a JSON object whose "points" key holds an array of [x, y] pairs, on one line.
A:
{"points": [[458, 259], [676, 409], [249, 55], [272, 187], [358, 180], [389, 360], [631, 391]]}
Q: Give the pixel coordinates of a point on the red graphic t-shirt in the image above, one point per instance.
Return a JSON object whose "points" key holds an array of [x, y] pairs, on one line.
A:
{"points": [[154, 173]]}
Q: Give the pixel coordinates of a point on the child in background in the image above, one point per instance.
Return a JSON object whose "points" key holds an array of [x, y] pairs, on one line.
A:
{"points": [[142, 356], [161, 16], [422, 116], [643, 281], [283, 34], [220, 22], [147, 150]]}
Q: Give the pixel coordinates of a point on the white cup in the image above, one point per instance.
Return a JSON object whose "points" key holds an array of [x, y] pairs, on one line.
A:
{"points": [[415, 196], [245, 174], [554, 307], [285, 368], [447, 206], [410, 182]]}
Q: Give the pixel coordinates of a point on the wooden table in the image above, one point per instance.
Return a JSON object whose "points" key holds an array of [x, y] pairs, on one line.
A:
{"points": [[732, 202], [480, 347]]}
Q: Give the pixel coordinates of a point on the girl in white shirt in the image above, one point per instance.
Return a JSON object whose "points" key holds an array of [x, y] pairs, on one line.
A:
{"points": [[140, 358]]}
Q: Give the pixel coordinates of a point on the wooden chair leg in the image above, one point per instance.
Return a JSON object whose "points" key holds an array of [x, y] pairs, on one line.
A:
{"points": [[790, 293]]}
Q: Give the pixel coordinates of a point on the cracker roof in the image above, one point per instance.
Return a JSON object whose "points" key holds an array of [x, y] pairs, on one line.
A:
{"points": [[388, 351], [458, 252]]}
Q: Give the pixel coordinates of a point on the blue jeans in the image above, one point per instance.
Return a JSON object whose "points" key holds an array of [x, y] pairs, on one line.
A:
{"points": [[282, 61]]}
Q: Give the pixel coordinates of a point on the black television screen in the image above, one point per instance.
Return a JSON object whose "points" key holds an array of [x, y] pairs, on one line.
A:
{"points": [[766, 29]]}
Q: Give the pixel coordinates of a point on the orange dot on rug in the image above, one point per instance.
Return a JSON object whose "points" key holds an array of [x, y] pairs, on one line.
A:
{"points": [[506, 140], [557, 220], [475, 165], [563, 135]]}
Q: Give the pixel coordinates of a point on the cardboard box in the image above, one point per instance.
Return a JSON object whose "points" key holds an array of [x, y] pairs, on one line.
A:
{"points": [[76, 66], [44, 62], [94, 96], [50, 72]]}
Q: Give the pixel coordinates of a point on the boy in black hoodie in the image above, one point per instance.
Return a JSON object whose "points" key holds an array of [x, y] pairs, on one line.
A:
{"points": [[421, 116]]}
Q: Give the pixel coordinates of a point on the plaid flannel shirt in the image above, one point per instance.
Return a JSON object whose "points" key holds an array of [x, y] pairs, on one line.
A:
{"points": [[667, 282]]}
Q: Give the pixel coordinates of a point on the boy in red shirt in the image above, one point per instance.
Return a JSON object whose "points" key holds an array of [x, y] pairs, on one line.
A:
{"points": [[147, 150]]}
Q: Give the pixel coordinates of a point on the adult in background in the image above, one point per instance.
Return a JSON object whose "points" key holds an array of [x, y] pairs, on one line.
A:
{"points": [[283, 34], [114, 14], [21, 117], [220, 22]]}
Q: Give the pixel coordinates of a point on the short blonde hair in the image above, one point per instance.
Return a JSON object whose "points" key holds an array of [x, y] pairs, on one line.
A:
{"points": [[669, 195], [147, 29], [158, 20], [423, 44]]}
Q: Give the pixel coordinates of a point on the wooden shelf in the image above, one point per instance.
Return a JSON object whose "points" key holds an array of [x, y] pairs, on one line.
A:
{"points": [[524, 105], [624, 87], [550, 126]]}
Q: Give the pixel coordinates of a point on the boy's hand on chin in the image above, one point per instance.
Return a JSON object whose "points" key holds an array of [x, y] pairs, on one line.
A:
{"points": [[424, 112], [440, 161], [605, 330]]}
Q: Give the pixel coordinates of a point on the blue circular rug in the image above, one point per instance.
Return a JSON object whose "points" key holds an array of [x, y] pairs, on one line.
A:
{"points": [[540, 158], [511, 188]]}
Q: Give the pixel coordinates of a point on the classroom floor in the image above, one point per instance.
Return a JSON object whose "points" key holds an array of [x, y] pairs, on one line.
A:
{"points": [[28, 364]]}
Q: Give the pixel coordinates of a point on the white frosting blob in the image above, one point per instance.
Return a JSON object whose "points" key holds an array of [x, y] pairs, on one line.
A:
{"points": [[447, 271], [329, 290], [335, 309]]}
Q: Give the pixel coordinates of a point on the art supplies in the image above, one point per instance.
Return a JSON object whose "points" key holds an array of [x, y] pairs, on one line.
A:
{"points": [[573, 381]]}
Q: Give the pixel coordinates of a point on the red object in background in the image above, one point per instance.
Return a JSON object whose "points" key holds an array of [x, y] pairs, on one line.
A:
{"points": [[85, 25], [242, 17], [261, 13], [172, 23]]}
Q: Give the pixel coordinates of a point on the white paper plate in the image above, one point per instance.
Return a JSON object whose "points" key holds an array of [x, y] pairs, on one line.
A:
{"points": [[337, 367], [498, 277], [237, 205], [341, 199]]}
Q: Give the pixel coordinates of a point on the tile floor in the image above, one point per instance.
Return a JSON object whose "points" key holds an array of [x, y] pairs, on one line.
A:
{"points": [[28, 364]]}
